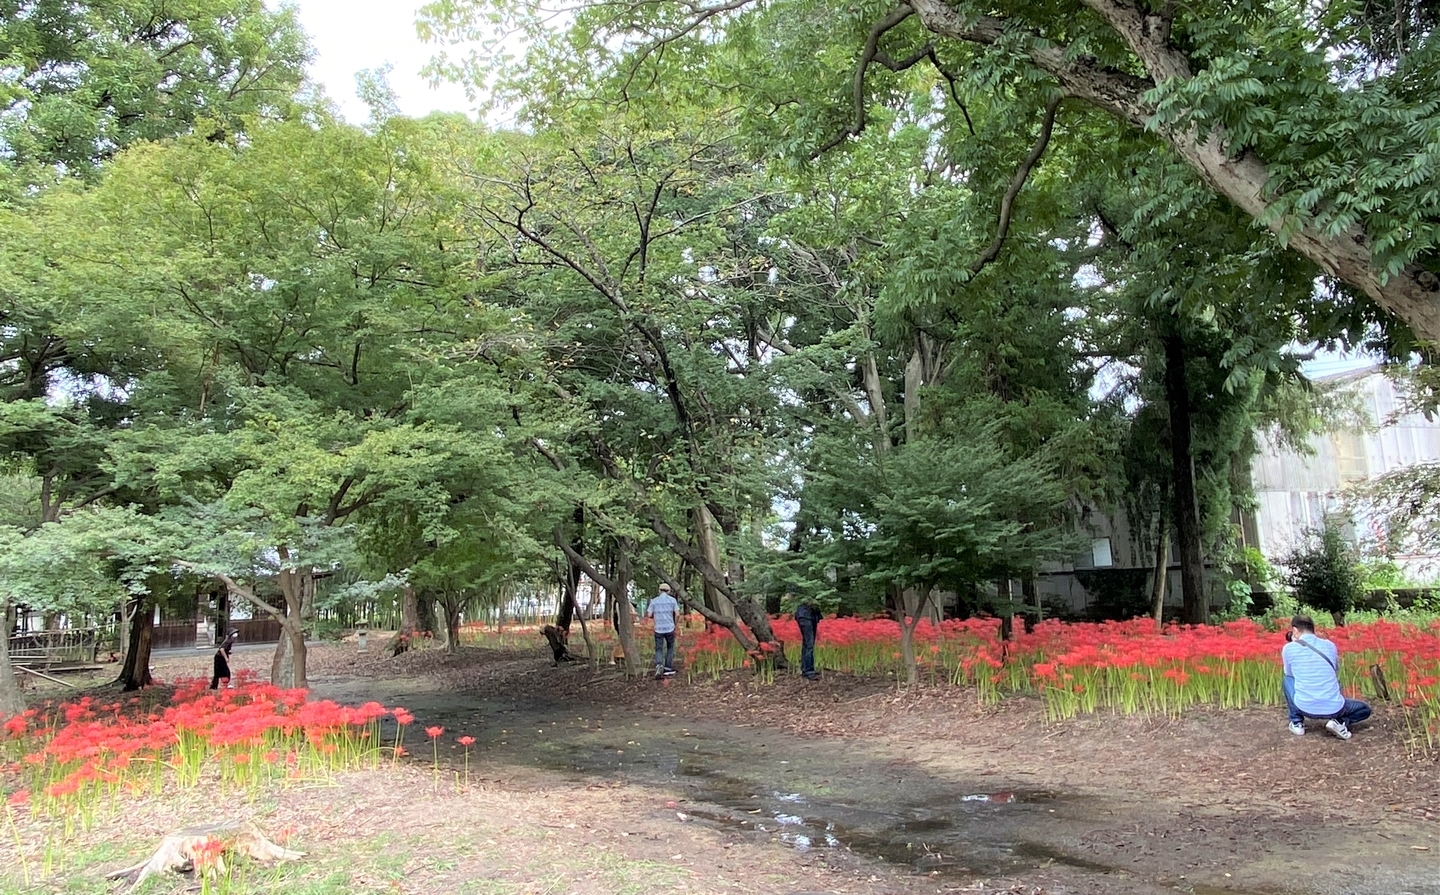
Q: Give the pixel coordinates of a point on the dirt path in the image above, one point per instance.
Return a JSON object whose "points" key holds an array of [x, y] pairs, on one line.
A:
{"points": [[856, 788]]}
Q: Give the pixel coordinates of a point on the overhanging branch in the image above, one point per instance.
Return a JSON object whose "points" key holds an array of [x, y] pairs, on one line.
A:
{"points": [[1007, 202]]}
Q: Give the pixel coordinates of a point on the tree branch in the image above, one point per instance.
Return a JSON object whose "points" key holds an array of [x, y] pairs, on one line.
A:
{"points": [[582, 563], [235, 587], [1007, 202], [869, 54]]}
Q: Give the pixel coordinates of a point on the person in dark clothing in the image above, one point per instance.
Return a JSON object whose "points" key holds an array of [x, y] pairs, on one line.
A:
{"points": [[222, 662], [808, 618]]}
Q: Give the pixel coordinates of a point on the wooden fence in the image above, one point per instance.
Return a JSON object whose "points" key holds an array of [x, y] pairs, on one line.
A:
{"points": [[72, 646]]}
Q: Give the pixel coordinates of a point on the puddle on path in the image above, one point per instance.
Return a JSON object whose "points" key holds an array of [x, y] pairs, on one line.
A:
{"points": [[808, 794]]}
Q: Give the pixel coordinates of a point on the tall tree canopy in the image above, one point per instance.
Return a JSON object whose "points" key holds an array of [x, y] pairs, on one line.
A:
{"points": [[1318, 123], [80, 81]]}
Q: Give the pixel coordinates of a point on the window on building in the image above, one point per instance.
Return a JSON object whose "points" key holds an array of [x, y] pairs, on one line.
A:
{"points": [[1100, 553]]}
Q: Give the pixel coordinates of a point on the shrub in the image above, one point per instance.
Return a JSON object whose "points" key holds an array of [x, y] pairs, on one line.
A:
{"points": [[1325, 573]]}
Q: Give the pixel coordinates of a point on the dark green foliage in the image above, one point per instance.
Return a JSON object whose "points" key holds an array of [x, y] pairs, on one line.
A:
{"points": [[1325, 573]]}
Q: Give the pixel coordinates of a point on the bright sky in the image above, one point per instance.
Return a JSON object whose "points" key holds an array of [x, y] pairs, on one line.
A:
{"points": [[350, 36]]}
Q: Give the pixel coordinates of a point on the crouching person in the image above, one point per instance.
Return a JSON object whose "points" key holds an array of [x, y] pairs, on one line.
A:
{"points": [[1312, 682]]}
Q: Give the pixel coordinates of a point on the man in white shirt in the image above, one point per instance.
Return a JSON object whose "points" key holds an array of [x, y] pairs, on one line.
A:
{"points": [[665, 611], [1312, 682]]}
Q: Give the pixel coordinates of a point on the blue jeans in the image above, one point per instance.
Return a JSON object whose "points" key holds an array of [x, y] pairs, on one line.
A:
{"points": [[665, 648], [1351, 712], [807, 647]]}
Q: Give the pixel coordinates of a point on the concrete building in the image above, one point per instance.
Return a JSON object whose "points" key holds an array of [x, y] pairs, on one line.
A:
{"points": [[1294, 492]]}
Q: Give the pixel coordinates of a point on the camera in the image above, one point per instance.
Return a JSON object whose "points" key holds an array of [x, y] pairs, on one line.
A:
{"points": [[1289, 636]]}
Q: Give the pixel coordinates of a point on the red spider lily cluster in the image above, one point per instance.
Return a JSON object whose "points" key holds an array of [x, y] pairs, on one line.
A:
{"points": [[1119, 666], [66, 758]]}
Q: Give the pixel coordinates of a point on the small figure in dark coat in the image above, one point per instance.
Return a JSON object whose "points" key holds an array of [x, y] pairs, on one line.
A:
{"points": [[807, 616], [222, 662]]}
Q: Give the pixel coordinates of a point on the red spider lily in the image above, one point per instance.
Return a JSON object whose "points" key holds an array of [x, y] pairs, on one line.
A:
{"points": [[434, 732], [467, 742]]}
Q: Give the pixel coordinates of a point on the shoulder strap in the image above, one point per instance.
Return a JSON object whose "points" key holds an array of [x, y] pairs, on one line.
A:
{"points": [[1312, 647]]}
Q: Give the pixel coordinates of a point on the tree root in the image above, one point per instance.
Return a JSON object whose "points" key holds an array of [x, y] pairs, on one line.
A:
{"points": [[205, 846]]}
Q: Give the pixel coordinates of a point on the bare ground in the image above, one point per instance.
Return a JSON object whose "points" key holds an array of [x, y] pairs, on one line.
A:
{"points": [[1217, 801]]}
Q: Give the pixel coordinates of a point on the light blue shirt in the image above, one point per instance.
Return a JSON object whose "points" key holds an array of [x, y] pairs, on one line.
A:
{"points": [[663, 609], [1317, 687]]}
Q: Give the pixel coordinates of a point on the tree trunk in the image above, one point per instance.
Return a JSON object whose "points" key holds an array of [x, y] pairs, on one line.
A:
{"points": [[135, 673], [452, 605], [11, 702], [288, 667], [914, 378], [1162, 568], [1187, 512], [427, 616], [281, 665], [128, 608], [1005, 603], [1031, 595], [910, 606], [409, 620], [624, 612], [709, 545], [569, 585]]}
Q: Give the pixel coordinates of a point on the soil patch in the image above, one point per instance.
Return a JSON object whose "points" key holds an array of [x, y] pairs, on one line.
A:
{"points": [[927, 790]]}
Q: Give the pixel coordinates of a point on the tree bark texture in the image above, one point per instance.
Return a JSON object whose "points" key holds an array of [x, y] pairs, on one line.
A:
{"points": [[297, 586], [135, 673], [409, 620], [708, 543], [11, 702], [1196, 609]]}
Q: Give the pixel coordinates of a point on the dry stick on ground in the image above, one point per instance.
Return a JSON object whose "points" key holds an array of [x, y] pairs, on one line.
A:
{"points": [[180, 849]]}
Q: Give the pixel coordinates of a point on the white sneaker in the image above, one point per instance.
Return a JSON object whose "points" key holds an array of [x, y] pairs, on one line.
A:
{"points": [[1297, 728], [1340, 730]]}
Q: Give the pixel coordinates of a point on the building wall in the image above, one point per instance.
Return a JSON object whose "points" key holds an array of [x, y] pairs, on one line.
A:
{"points": [[1295, 492]]}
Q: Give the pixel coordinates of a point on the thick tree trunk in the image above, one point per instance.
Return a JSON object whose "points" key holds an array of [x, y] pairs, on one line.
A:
{"points": [[569, 587], [427, 613], [1187, 513], [135, 673], [910, 605], [11, 702], [1162, 567], [914, 378], [409, 620]]}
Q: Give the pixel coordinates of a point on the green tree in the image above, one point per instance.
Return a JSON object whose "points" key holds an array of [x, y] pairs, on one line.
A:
{"points": [[1325, 572], [932, 513], [82, 81], [1304, 120]]}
